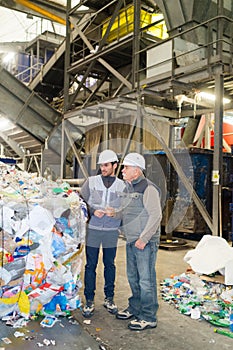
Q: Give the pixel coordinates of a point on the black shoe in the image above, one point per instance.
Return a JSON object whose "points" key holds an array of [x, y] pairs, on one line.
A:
{"points": [[140, 325], [110, 305], [124, 314], [88, 309]]}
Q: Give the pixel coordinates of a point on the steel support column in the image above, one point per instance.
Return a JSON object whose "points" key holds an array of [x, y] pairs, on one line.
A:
{"points": [[66, 88], [217, 158], [136, 43], [106, 130], [136, 68], [67, 59], [218, 133], [127, 145]]}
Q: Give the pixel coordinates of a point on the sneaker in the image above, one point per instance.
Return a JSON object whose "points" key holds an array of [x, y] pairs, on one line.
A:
{"points": [[88, 309], [110, 306], [124, 314], [140, 325]]}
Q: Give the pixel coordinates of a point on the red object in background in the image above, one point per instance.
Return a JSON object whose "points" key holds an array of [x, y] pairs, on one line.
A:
{"points": [[227, 135]]}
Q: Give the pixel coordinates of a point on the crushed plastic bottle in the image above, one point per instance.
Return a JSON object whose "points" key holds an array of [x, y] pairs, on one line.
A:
{"points": [[231, 321], [223, 332], [195, 313]]}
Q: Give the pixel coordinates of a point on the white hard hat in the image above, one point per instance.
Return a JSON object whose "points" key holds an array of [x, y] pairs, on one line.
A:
{"points": [[107, 156], [135, 159]]}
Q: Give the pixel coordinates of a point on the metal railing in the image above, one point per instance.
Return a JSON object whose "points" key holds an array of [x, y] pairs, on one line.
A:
{"points": [[27, 75], [211, 40]]}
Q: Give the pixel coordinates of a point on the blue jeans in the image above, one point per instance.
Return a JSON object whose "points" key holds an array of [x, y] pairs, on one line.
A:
{"points": [[142, 280], [108, 240]]}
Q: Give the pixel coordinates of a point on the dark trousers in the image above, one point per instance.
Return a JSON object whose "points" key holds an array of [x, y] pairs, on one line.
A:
{"points": [[108, 240]]}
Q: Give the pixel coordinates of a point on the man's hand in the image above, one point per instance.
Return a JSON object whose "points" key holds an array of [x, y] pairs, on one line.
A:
{"points": [[140, 244], [110, 211], [99, 213]]}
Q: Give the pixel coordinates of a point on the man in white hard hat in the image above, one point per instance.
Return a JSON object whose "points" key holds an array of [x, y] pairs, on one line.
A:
{"points": [[141, 219], [101, 192]]}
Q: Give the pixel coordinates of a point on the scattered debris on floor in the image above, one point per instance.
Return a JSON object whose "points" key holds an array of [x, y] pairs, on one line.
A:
{"points": [[87, 321], [206, 291], [6, 340], [199, 299], [49, 321], [19, 334]]}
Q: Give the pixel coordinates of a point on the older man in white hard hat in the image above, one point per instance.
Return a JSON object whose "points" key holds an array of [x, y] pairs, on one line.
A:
{"points": [[141, 225], [101, 194]]}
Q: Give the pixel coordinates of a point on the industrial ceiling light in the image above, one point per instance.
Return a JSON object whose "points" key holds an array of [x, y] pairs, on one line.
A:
{"points": [[202, 95], [76, 2], [8, 57], [5, 123]]}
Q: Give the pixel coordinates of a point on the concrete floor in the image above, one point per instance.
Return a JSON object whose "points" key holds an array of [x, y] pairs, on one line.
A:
{"points": [[174, 331], [66, 334]]}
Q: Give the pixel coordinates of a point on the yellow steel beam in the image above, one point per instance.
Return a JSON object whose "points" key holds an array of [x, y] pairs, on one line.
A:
{"points": [[41, 11]]}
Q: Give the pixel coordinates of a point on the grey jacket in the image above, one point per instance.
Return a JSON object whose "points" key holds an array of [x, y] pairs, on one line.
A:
{"points": [[98, 196], [141, 214]]}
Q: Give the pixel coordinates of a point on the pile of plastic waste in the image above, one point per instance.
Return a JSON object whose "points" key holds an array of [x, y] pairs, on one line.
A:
{"points": [[199, 299], [42, 234]]}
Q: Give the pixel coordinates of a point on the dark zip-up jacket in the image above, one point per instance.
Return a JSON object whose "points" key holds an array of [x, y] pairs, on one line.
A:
{"points": [[141, 213]]}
